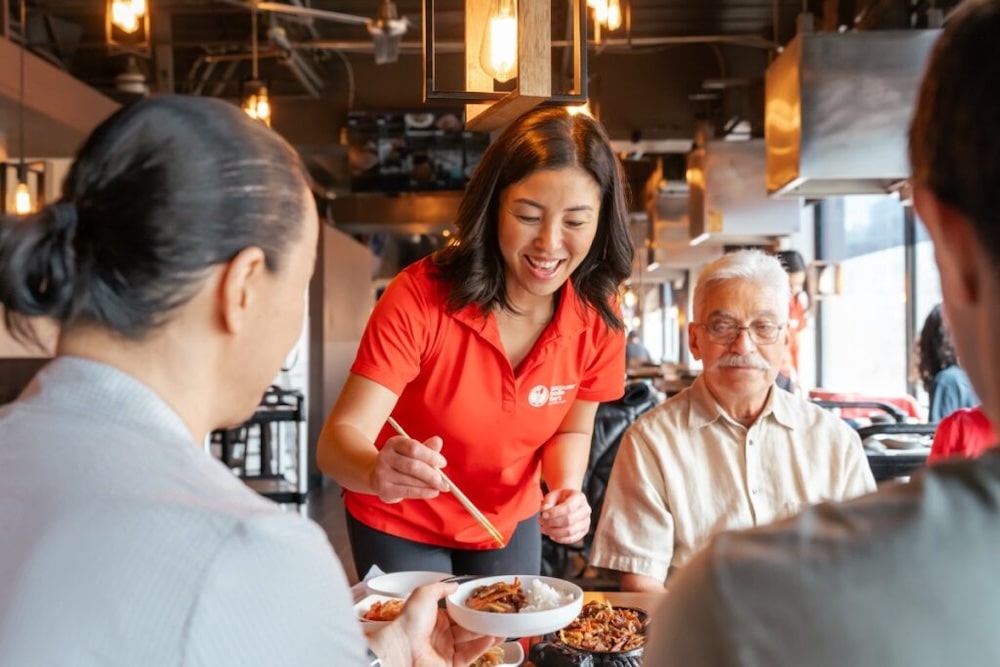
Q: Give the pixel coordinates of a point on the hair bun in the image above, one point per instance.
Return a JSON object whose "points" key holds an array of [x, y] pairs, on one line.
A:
{"points": [[63, 216]]}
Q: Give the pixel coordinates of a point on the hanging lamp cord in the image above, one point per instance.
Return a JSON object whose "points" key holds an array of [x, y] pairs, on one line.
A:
{"points": [[253, 40], [22, 176]]}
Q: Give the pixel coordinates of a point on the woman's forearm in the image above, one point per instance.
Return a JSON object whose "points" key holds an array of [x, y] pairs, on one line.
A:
{"points": [[567, 453], [346, 456], [346, 449], [564, 460]]}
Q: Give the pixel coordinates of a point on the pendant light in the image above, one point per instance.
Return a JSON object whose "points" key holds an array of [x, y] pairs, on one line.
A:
{"points": [[614, 17], [22, 194], [256, 102], [498, 53], [127, 14], [607, 12]]}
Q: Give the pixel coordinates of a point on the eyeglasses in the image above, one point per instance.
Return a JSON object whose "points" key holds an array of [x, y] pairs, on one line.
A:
{"points": [[725, 332]]}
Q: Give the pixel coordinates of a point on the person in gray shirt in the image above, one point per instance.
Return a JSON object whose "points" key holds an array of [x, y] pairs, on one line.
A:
{"points": [[905, 577], [176, 263]]}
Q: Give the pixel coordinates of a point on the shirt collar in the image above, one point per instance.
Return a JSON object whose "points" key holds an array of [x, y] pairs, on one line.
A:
{"points": [[705, 410], [570, 317]]}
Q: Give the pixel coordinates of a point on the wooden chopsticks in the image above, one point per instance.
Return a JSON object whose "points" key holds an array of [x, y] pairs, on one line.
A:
{"points": [[459, 496]]}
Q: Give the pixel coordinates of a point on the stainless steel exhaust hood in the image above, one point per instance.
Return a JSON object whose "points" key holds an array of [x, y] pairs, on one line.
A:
{"points": [[410, 213], [727, 200], [837, 110]]}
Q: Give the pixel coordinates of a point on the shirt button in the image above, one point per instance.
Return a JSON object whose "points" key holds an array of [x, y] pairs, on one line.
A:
{"points": [[750, 442], [755, 491]]}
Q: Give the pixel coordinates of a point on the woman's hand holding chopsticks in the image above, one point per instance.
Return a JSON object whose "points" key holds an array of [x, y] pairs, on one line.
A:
{"points": [[408, 468]]}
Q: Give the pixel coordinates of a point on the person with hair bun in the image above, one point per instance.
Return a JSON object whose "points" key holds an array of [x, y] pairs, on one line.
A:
{"points": [[175, 263], [493, 354]]}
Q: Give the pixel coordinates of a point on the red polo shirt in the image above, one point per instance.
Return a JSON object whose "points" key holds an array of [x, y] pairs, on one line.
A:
{"points": [[454, 380]]}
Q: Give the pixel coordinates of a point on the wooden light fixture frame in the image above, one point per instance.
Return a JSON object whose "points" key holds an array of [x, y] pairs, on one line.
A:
{"points": [[486, 109]]}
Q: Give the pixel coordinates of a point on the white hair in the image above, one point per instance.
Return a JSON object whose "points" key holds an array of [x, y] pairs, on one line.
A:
{"points": [[750, 265]]}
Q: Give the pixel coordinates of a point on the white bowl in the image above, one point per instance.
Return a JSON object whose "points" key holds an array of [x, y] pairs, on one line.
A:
{"points": [[401, 584], [524, 624], [362, 607], [513, 654]]}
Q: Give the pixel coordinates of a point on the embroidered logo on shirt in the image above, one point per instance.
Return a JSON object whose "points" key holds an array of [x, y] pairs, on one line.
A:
{"points": [[556, 394], [538, 396]]}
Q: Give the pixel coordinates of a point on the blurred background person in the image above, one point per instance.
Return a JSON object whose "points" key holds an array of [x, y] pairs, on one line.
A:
{"points": [[947, 385], [965, 433], [798, 316], [636, 353]]}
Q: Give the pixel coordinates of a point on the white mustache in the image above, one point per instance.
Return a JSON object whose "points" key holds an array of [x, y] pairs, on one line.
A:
{"points": [[743, 361]]}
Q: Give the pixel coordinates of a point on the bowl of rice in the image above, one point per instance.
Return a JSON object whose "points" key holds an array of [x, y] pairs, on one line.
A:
{"points": [[514, 605]]}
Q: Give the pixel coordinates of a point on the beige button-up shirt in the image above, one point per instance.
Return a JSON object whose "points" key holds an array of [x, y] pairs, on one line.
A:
{"points": [[686, 470]]}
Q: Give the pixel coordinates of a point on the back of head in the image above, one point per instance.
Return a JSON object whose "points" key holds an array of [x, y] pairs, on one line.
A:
{"points": [[746, 265], [544, 138], [160, 192], [954, 144]]}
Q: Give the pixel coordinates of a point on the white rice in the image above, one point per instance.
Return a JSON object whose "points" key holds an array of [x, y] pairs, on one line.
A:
{"points": [[541, 596]]}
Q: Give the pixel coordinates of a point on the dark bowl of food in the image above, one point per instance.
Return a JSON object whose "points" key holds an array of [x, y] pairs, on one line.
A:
{"points": [[601, 636]]}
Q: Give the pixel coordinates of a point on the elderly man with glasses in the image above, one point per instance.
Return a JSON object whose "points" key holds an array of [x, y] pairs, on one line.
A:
{"points": [[730, 451]]}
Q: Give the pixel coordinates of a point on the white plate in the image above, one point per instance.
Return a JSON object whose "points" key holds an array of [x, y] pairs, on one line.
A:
{"points": [[362, 607], [525, 624], [513, 654], [401, 584], [906, 441]]}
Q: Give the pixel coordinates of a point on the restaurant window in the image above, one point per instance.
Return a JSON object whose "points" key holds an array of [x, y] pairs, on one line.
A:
{"points": [[863, 328], [926, 288]]}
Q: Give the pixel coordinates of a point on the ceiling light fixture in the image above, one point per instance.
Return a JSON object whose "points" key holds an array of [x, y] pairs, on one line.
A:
{"points": [[126, 27], [498, 52], [614, 15], [127, 14], [256, 102], [607, 13], [509, 59]]}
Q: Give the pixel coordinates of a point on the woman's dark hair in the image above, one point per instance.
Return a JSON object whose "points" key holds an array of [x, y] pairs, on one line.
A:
{"points": [[545, 138], [160, 192], [935, 349], [791, 260]]}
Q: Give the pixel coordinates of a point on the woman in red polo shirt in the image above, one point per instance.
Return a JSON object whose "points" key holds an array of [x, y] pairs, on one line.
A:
{"points": [[493, 354]]}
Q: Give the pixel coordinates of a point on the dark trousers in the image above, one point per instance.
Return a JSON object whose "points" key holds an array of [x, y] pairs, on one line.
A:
{"points": [[522, 555]]}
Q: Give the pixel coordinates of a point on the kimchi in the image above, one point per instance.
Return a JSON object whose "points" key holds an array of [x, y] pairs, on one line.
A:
{"points": [[383, 611]]}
